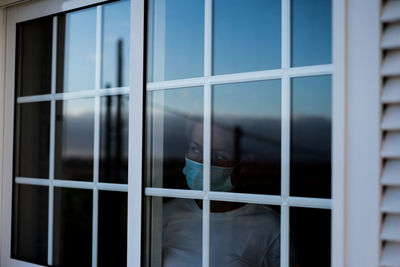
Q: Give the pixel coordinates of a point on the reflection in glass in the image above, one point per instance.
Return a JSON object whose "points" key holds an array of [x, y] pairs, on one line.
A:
{"points": [[74, 139], [172, 115], [246, 137], [32, 133], [246, 35], [72, 236], [244, 233], [116, 31], [34, 50], [112, 229], [311, 33], [114, 120], [30, 222], [311, 237], [310, 164], [175, 39], [77, 50]]}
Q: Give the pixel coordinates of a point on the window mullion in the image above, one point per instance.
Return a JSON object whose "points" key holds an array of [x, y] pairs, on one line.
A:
{"points": [[96, 144], [207, 130], [52, 142], [136, 106], [285, 133]]}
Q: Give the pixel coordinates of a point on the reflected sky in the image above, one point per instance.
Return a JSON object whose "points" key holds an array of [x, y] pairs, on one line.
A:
{"points": [[179, 102], [246, 128], [246, 35], [116, 27], [311, 32], [310, 164], [249, 99], [311, 96], [74, 139], [170, 116], [78, 127], [176, 39], [173, 111], [80, 50], [255, 109]]}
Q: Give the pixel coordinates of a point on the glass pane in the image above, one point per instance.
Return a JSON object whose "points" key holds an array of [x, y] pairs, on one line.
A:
{"points": [[176, 39], [310, 164], [30, 223], [244, 235], [311, 237], [112, 229], [311, 32], [246, 35], [172, 116], [174, 233], [34, 51], [246, 137], [116, 30], [77, 51], [74, 139], [32, 131], [72, 236], [114, 127]]}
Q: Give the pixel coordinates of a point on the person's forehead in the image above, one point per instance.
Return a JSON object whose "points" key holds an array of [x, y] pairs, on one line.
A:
{"points": [[221, 138]]}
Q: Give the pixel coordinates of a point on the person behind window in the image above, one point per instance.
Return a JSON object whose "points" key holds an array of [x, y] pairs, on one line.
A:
{"points": [[240, 234]]}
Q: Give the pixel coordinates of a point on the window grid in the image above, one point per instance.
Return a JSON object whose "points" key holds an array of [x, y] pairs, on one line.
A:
{"points": [[300, 202], [285, 74], [96, 93]]}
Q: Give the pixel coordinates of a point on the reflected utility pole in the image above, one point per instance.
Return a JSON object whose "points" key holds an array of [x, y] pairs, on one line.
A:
{"points": [[114, 160]]}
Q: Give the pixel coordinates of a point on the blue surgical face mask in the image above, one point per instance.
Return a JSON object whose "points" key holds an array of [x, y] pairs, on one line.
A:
{"points": [[220, 176]]}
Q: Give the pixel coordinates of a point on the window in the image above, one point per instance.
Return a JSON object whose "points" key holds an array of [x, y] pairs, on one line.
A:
{"points": [[229, 131], [238, 133], [71, 138]]}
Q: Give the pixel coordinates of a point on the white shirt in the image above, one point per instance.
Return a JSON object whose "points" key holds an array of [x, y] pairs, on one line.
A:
{"points": [[247, 236]]}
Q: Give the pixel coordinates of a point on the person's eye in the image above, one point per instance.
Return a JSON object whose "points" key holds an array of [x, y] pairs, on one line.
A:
{"points": [[195, 149], [220, 157]]}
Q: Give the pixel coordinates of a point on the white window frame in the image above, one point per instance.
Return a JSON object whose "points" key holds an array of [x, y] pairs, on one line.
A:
{"points": [[349, 16], [35, 9]]}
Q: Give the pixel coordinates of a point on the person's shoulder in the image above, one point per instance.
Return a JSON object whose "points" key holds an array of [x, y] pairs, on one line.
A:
{"points": [[180, 204], [261, 214]]}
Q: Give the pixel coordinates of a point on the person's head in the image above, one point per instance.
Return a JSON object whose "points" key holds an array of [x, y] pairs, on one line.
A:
{"points": [[223, 158]]}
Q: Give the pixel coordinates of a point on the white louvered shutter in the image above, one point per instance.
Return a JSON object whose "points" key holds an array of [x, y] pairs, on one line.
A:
{"points": [[390, 126]]}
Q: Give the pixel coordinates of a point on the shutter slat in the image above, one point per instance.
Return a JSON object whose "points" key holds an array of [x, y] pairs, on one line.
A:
{"points": [[391, 255], [391, 11], [391, 118], [391, 37], [391, 63], [390, 131], [391, 145], [391, 228], [391, 91], [391, 173], [391, 200]]}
